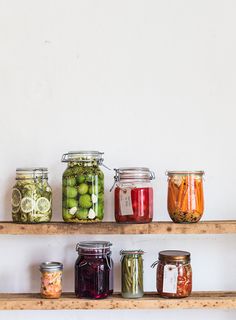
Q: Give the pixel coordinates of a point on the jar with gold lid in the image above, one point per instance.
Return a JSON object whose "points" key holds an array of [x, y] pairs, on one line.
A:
{"points": [[174, 274]]}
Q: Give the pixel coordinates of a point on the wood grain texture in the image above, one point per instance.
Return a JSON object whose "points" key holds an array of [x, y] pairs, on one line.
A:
{"points": [[216, 300], [162, 227]]}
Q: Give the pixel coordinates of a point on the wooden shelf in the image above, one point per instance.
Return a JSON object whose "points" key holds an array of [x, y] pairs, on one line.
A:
{"points": [[163, 227], [217, 300]]}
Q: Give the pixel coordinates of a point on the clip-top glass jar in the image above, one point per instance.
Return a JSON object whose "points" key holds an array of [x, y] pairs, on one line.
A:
{"points": [[134, 195], [83, 187], [94, 270], [132, 273], [51, 280], [174, 274], [31, 196], [185, 196]]}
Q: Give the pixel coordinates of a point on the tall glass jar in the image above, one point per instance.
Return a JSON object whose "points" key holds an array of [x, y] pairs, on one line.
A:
{"points": [[94, 270], [83, 187], [31, 196], [51, 280], [132, 273], [185, 196], [134, 195], [174, 274]]}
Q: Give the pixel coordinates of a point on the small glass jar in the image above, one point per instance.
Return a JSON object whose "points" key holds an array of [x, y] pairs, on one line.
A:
{"points": [[132, 273], [174, 274], [31, 196], [83, 187], [134, 195], [185, 196], [94, 270], [51, 279]]}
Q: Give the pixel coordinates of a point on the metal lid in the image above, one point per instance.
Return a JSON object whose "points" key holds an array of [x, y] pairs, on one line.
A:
{"points": [[29, 173], [91, 245], [171, 173], [174, 256], [134, 173], [131, 252], [51, 266], [82, 156]]}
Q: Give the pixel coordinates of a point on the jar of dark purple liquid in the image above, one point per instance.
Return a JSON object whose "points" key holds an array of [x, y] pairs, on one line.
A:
{"points": [[93, 270]]}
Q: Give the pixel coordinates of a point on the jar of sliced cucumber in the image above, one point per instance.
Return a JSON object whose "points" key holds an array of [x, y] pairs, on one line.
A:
{"points": [[31, 196], [83, 187]]}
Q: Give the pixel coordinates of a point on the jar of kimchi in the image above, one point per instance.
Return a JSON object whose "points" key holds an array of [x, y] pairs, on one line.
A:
{"points": [[134, 195], [185, 196], [174, 274], [51, 276]]}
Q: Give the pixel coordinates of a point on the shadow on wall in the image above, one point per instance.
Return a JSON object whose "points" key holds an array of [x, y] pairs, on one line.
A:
{"points": [[9, 183]]}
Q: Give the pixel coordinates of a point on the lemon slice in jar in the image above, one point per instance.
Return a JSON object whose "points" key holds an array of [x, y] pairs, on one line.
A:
{"points": [[16, 197], [43, 205], [27, 204]]}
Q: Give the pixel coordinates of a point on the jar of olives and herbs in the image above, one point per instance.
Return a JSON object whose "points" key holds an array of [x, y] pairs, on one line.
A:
{"points": [[31, 196], [83, 187]]}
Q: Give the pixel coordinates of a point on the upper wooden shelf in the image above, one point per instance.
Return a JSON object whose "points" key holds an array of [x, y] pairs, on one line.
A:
{"points": [[216, 300], [162, 227]]}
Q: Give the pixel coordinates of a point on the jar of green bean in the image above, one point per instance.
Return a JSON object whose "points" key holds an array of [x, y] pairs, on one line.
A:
{"points": [[131, 273]]}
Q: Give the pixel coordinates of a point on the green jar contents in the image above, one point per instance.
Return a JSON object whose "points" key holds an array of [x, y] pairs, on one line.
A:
{"points": [[83, 187], [132, 273], [31, 196]]}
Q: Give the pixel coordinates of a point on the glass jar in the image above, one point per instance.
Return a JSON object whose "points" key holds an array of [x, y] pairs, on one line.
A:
{"points": [[94, 270], [174, 274], [132, 273], [51, 276], [83, 187], [185, 196], [134, 195], [31, 196]]}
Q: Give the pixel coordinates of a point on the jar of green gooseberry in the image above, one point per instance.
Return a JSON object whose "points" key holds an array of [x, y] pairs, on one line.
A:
{"points": [[83, 187]]}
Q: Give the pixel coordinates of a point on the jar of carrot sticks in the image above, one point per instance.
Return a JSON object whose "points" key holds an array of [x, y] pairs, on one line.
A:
{"points": [[185, 196], [51, 274]]}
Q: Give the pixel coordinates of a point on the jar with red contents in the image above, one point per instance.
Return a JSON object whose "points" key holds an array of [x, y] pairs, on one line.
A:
{"points": [[174, 274], [134, 195], [94, 270]]}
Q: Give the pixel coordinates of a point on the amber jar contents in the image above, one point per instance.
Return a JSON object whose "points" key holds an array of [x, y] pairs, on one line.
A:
{"points": [[51, 275], [185, 196], [174, 274]]}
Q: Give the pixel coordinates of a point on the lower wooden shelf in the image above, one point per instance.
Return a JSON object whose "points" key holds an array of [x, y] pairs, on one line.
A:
{"points": [[217, 300]]}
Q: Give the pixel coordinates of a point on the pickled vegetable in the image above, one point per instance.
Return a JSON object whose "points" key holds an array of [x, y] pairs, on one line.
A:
{"points": [[139, 206], [185, 198], [132, 276], [94, 270], [31, 201], [83, 192], [51, 285], [183, 282]]}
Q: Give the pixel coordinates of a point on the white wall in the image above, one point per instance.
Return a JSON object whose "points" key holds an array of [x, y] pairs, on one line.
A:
{"points": [[149, 83]]}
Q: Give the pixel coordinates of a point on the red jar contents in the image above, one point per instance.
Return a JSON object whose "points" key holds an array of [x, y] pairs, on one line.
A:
{"points": [[94, 270], [174, 274], [134, 204]]}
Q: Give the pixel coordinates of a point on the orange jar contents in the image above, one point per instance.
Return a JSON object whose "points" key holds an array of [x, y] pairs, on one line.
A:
{"points": [[51, 275], [185, 196], [174, 274]]}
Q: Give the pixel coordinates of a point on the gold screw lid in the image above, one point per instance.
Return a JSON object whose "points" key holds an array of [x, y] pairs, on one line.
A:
{"points": [[174, 256]]}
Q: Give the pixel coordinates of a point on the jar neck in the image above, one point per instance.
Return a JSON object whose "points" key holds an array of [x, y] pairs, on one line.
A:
{"points": [[180, 262], [93, 163], [94, 253], [31, 178]]}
